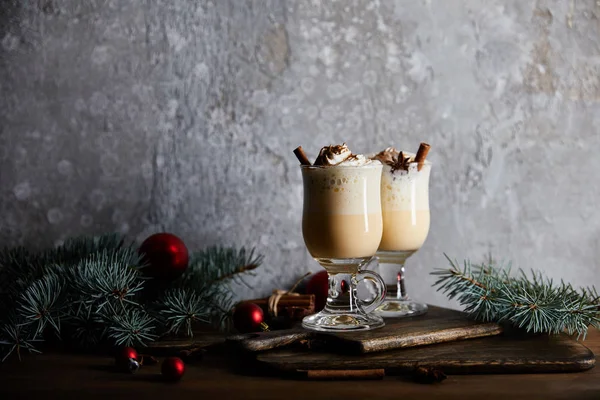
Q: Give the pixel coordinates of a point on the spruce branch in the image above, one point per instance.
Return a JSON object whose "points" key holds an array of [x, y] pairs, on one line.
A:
{"points": [[88, 328], [108, 278], [20, 266], [531, 302], [131, 328], [223, 263], [40, 304], [89, 289], [180, 308], [15, 337]]}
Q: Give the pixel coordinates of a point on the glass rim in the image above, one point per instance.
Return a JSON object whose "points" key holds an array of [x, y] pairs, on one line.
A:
{"points": [[370, 165], [426, 162]]}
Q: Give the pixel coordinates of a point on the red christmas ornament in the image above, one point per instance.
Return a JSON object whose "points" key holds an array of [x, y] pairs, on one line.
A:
{"points": [[344, 286], [248, 317], [124, 356], [165, 255], [172, 369], [319, 286]]}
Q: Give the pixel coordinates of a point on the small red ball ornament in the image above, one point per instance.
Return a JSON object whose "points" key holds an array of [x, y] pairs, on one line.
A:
{"points": [[165, 256], [344, 286], [319, 286], [124, 356], [248, 317], [172, 369]]}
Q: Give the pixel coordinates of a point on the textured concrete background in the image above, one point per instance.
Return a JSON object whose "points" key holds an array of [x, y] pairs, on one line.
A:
{"points": [[143, 116]]}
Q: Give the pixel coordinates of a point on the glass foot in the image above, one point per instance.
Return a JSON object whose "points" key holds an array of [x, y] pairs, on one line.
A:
{"points": [[339, 322], [401, 308]]}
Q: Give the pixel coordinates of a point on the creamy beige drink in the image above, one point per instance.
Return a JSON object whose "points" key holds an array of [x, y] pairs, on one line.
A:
{"points": [[342, 227], [342, 206], [405, 207]]}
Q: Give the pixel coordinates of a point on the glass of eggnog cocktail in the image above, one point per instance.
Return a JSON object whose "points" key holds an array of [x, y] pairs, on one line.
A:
{"points": [[405, 211], [342, 228]]}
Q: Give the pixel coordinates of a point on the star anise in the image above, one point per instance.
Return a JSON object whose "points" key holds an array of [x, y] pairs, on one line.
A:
{"points": [[401, 163]]}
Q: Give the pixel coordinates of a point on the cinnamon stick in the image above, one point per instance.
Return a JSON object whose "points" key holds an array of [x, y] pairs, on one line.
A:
{"points": [[303, 301], [301, 156], [421, 155], [346, 374]]}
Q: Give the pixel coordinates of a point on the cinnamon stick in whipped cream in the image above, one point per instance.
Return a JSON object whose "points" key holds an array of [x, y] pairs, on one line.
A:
{"points": [[301, 156], [421, 155]]}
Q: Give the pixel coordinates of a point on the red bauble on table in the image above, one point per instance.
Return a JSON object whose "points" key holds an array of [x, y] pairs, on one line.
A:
{"points": [[248, 317], [126, 359], [165, 255], [318, 285], [172, 369]]}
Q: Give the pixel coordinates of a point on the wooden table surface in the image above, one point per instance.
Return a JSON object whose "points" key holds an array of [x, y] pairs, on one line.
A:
{"points": [[84, 376]]}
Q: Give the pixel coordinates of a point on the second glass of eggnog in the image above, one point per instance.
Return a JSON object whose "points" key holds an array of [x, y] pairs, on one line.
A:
{"points": [[342, 227], [406, 219]]}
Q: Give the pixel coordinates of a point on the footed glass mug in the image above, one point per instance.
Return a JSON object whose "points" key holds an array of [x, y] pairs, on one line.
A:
{"points": [[405, 210], [342, 228]]}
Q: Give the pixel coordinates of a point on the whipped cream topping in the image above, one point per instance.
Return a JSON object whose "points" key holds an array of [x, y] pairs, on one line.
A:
{"points": [[356, 160], [333, 155], [388, 156], [341, 155]]}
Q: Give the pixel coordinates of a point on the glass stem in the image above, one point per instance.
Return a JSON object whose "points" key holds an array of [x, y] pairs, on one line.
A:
{"points": [[401, 289], [392, 264], [342, 290], [397, 290]]}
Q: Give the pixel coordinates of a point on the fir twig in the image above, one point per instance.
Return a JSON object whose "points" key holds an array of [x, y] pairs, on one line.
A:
{"points": [[15, 337], [131, 328], [39, 303], [222, 263], [108, 277], [93, 286], [534, 303], [88, 328], [180, 308]]}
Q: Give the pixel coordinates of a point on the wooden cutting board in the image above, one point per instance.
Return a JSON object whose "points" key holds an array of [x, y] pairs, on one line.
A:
{"points": [[499, 354], [437, 326]]}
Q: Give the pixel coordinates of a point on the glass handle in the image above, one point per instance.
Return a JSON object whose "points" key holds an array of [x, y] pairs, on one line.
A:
{"points": [[369, 306]]}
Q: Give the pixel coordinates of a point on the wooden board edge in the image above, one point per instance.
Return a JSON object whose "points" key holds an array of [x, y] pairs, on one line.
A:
{"points": [[451, 368], [256, 346], [505, 367], [443, 336]]}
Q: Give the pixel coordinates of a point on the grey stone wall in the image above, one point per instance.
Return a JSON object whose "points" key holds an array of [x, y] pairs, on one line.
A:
{"points": [[143, 116]]}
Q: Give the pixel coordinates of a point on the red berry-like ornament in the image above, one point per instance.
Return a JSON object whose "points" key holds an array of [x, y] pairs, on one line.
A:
{"points": [[123, 359], [344, 286], [248, 317], [172, 369], [165, 255], [319, 286]]}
